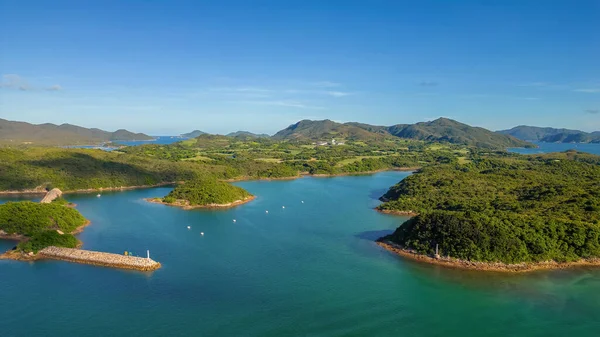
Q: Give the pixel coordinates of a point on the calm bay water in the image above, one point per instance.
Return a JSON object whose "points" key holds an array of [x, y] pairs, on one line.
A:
{"points": [[162, 140], [310, 269], [558, 147]]}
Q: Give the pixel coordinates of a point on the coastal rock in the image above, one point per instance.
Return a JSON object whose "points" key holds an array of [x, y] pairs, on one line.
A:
{"points": [[51, 195]]}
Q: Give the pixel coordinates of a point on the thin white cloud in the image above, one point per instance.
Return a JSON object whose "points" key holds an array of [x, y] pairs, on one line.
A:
{"points": [[337, 93], [588, 90]]}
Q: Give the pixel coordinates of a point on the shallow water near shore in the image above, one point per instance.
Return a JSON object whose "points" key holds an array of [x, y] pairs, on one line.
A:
{"points": [[309, 269]]}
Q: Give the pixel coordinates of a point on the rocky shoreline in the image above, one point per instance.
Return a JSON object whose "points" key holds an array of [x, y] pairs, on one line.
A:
{"points": [[324, 175], [40, 190], [394, 212], [184, 204], [485, 266]]}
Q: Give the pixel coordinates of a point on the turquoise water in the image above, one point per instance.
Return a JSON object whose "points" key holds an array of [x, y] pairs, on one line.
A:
{"points": [[558, 147], [310, 269]]}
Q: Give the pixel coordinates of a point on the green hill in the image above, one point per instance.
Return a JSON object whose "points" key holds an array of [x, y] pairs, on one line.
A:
{"points": [[38, 224], [551, 135], [448, 130], [193, 134], [205, 191], [509, 210], [12, 132], [440, 130], [247, 134], [325, 130]]}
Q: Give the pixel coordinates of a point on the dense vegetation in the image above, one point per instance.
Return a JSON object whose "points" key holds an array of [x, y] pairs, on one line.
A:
{"points": [[29, 218], [44, 239], [503, 209], [39, 224], [15, 133], [71, 169], [206, 191]]}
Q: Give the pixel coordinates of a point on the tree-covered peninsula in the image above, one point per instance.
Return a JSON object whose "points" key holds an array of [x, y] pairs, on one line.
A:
{"points": [[205, 192], [39, 225], [508, 210]]}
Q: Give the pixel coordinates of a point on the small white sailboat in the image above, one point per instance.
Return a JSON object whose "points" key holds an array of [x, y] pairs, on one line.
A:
{"points": [[233, 220], [282, 206], [267, 212], [98, 195], [202, 233], [189, 227]]}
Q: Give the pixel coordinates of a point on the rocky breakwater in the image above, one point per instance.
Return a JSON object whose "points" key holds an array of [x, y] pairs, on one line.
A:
{"points": [[99, 258], [51, 195]]}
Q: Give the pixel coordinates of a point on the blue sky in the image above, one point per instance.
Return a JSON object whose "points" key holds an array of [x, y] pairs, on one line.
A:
{"points": [[166, 67]]}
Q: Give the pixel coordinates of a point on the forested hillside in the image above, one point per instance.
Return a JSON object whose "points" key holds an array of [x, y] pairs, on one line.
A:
{"points": [[503, 209]]}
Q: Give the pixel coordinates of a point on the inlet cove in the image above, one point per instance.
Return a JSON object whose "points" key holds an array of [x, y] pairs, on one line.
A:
{"points": [[311, 268]]}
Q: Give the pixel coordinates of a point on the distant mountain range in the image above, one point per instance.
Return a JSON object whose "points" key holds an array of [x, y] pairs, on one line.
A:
{"points": [[552, 135], [65, 134], [439, 130], [238, 134]]}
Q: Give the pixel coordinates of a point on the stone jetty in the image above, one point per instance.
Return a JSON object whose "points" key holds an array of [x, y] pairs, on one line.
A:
{"points": [[99, 258]]}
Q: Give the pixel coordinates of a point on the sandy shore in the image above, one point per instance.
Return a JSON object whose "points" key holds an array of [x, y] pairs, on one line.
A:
{"points": [[184, 204], [486, 266]]}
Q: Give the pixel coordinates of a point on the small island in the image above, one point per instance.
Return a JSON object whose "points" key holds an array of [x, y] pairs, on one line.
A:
{"points": [[46, 230], [39, 225], [205, 192], [501, 214]]}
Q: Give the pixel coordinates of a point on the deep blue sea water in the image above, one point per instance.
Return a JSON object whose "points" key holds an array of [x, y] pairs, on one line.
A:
{"points": [[310, 269], [558, 147]]}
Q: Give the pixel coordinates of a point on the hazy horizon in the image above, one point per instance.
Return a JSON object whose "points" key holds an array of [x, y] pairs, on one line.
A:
{"points": [[165, 68]]}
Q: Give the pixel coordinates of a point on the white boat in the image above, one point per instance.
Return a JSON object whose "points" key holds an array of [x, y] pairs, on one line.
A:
{"points": [[98, 195]]}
